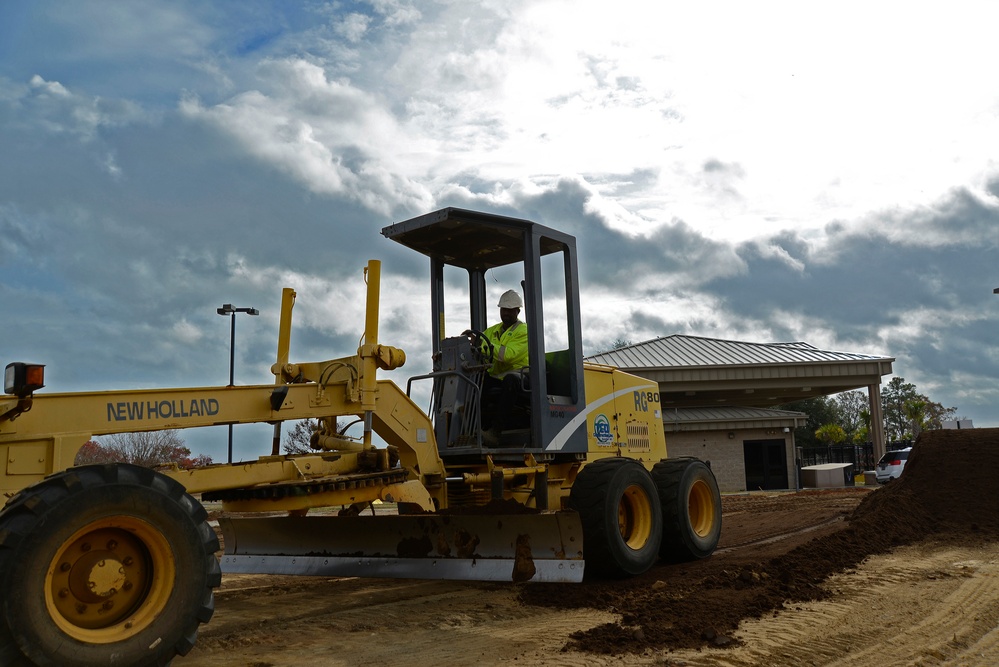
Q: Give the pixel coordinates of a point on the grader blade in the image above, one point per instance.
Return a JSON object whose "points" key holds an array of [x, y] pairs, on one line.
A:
{"points": [[509, 547]]}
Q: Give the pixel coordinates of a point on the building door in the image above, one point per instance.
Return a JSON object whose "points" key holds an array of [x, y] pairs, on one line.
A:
{"points": [[766, 464]]}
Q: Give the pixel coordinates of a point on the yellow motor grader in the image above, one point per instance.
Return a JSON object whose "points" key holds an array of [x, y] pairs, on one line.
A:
{"points": [[116, 564]]}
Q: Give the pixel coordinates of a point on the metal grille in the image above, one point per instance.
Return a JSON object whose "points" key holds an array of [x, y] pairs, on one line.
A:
{"points": [[638, 436]]}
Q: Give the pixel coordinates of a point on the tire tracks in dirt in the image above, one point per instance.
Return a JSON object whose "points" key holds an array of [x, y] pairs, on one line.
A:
{"points": [[927, 604], [777, 537]]}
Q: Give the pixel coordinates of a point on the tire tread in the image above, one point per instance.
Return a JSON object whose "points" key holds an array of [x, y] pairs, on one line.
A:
{"points": [[677, 545]]}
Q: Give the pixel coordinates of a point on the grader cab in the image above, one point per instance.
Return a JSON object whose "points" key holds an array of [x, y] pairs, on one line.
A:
{"points": [[116, 564]]}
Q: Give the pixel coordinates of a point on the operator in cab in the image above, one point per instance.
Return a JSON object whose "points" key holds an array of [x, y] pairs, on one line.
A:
{"points": [[508, 338]]}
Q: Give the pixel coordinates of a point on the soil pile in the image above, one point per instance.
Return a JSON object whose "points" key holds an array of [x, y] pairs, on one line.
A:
{"points": [[950, 483], [948, 492]]}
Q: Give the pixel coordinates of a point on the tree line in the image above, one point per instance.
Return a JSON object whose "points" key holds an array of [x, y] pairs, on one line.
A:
{"points": [[846, 418], [153, 448], [148, 449]]}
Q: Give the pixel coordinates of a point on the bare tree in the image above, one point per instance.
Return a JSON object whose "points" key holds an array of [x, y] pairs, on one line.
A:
{"points": [[93, 452], [146, 449], [299, 438]]}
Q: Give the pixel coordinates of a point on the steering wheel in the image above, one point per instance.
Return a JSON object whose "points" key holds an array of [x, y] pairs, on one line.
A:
{"points": [[486, 354]]}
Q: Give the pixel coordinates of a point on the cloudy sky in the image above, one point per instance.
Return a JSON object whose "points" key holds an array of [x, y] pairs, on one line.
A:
{"points": [[819, 172]]}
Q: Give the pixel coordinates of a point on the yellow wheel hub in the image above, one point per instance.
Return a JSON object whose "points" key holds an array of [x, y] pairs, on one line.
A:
{"points": [[701, 508], [634, 517], [109, 580]]}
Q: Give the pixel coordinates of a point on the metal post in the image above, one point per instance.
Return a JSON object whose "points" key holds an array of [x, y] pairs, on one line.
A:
{"points": [[232, 348], [232, 366], [227, 309]]}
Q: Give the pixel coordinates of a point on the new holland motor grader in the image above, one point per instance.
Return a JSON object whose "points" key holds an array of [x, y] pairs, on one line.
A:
{"points": [[116, 564]]}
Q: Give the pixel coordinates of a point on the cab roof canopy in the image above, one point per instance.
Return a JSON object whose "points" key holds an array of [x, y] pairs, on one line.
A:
{"points": [[474, 240]]}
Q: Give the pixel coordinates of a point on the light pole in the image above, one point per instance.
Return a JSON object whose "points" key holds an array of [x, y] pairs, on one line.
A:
{"points": [[227, 309]]}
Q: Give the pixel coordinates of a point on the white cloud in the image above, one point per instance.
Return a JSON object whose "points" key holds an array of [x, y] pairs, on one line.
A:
{"points": [[56, 109], [48, 87], [397, 12], [187, 333], [775, 251], [352, 27], [330, 135]]}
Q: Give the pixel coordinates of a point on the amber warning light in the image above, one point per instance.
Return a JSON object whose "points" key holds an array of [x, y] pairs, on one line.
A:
{"points": [[20, 379]]}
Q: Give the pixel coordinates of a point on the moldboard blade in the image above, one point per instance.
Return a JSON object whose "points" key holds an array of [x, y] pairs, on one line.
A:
{"points": [[509, 547]]}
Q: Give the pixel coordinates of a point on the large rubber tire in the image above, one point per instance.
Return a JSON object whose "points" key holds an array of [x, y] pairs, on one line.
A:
{"points": [[104, 565], [691, 507], [621, 517]]}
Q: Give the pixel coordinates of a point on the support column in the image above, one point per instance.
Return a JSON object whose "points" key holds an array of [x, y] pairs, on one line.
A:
{"points": [[877, 421]]}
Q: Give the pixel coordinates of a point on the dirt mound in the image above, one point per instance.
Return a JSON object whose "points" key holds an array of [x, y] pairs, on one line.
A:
{"points": [[948, 492], [950, 479]]}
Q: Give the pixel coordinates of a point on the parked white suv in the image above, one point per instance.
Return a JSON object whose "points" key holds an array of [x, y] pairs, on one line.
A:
{"points": [[891, 465]]}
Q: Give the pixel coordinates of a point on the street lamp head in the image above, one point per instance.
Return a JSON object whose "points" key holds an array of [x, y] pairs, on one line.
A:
{"points": [[227, 309]]}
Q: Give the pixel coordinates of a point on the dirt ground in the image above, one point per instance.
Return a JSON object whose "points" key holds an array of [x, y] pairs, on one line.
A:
{"points": [[907, 574]]}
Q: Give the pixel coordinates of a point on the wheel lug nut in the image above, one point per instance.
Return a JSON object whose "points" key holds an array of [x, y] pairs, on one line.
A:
{"points": [[127, 560], [80, 608], [85, 547], [64, 593], [112, 545], [65, 567]]}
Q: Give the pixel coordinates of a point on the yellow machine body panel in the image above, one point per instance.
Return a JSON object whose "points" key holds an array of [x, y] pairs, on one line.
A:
{"points": [[46, 438], [624, 415]]}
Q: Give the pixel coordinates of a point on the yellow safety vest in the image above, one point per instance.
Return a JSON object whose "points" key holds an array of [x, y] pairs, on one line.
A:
{"points": [[509, 348]]}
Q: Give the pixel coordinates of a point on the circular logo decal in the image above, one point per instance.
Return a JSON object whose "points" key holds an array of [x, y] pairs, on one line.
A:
{"points": [[602, 430]]}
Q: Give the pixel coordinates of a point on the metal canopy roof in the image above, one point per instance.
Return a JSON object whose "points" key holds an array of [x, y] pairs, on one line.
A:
{"points": [[473, 240], [701, 372], [729, 418]]}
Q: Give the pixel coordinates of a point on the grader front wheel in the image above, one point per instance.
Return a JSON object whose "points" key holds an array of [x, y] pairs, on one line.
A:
{"points": [[109, 565]]}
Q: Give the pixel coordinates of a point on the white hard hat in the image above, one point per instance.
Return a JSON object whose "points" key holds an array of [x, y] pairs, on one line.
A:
{"points": [[510, 299]]}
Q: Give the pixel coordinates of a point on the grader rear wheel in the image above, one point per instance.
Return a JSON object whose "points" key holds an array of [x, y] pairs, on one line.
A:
{"points": [[621, 517], [691, 508], [110, 565]]}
